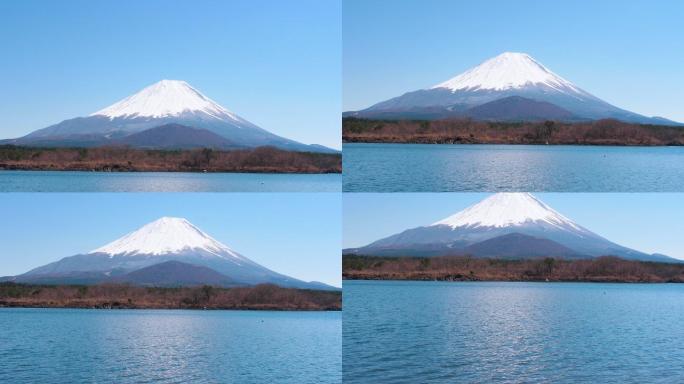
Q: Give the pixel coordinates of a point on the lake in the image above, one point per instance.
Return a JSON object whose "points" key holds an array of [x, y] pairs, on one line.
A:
{"points": [[70, 181], [492, 332], [492, 168], [169, 346]]}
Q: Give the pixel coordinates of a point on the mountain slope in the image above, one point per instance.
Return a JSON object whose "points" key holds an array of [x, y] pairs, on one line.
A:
{"points": [[516, 108], [164, 240], [174, 274], [175, 136], [519, 246], [162, 103], [508, 74], [500, 215]]}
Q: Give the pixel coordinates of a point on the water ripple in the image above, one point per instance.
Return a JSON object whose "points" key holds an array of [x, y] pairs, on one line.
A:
{"points": [[122, 346], [492, 168], [435, 332]]}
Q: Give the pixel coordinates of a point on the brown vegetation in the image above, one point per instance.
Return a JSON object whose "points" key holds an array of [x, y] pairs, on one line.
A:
{"points": [[113, 159], [466, 131], [460, 268], [260, 297]]}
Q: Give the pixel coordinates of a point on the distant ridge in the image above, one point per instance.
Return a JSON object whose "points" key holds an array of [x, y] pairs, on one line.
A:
{"points": [[176, 136], [517, 108], [175, 274]]}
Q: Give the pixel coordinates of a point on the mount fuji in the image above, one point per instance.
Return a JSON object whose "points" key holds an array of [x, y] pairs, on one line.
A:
{"points": [[167, 103], [168, 251], [509, 81], [504, 225]]}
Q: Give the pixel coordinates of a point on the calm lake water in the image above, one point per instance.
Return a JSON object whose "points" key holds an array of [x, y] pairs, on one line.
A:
{"points": [[67, 181], [530, 168], [141, 346], [433, 332]]}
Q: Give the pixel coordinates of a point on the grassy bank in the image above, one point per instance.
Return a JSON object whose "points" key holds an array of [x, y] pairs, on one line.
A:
{"points": [[602, 132], [260, 297], [459, 268], [121, 159]]}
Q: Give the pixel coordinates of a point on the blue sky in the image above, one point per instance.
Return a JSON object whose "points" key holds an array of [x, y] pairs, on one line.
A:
{"points": [[650, 222], [626, 52], [275, 63], [298, 234]]}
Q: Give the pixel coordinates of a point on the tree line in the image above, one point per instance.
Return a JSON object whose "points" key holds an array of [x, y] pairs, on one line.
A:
{"points": [[465, 268], [259, 297], [113, 159], [468, 131]]}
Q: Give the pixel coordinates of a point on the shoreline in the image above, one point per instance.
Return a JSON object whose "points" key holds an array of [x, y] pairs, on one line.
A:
{"points": [[202, 160], [604, 269], [557, 281], [465, 131], [238, 172], [2, 306], [520, 144], [266, 297]]}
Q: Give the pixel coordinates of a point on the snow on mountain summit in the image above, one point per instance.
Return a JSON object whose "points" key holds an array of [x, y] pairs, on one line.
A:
{"points": [[499, 78], [504, 225], [165, 102], [167, 98], [506, 71], [164, 236], [508, 209]]}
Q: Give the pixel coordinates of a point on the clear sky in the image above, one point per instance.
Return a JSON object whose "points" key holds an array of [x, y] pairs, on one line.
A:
{"points": [[275, 63], [647, 222], [627, 52], [297, 234]]}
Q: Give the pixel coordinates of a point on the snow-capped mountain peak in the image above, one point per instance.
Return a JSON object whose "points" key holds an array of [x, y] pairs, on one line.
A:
{"points": [[504, 225], [508, 209], [167, 98], [507, 71], [497, 80], [165, 102], [164, 236]]}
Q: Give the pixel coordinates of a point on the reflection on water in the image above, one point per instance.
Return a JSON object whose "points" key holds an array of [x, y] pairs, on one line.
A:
{"points": [[433, 332], [46, 181], [67, 346], [490, 168]]}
